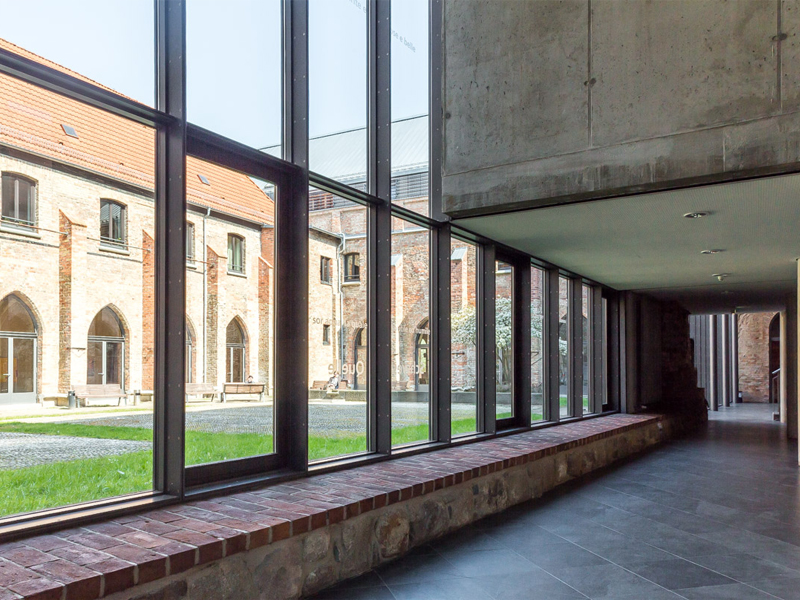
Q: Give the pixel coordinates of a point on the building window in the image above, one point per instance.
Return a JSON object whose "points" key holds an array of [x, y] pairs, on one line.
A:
{"points": [[421, 357], [352, 270], [236, 345], [324, 269], [190, 242], [18, 352], [326, 335], [106, 350], [235, 254], [19, 200], [113, 226]]}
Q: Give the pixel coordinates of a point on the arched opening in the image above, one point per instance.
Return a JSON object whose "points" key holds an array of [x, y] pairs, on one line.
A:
{"points": [[18, 352], [236, 352], [105, 351], [360, 360], [422, 357], [775, 359], [190, 343]]}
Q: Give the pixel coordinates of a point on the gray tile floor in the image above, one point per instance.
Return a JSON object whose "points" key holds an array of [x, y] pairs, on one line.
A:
{"points": [[713, 517]]}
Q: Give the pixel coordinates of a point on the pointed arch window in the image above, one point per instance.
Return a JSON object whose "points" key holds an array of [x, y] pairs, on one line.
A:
{"points": [[105, 351], [18, 352], [236, 355]]}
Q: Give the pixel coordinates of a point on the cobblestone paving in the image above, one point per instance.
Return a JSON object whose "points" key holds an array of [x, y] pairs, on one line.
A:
{"points": [[21, 450], [324, 419]]}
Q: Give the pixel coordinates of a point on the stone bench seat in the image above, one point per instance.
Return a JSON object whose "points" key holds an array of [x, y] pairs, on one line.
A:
{"points": [[303, 535]]}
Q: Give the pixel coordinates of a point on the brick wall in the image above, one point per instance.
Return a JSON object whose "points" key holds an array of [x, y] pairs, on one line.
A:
{"points": [[754, 356]]}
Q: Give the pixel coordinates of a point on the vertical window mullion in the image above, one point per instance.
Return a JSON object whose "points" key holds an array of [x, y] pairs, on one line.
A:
{"points": [[487, 346], [170, 249], [575, 357], [552, 347]]}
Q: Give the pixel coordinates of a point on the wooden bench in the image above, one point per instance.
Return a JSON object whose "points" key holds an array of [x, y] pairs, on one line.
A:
{"points": [[83, 393], [243, 388], [319, 384], [203, 390]]}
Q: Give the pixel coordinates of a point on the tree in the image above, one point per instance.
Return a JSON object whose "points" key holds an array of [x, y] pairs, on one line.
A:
{"points": [[464, 328]]}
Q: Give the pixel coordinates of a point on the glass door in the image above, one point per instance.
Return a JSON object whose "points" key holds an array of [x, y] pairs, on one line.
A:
{"points": [[17, 370]]}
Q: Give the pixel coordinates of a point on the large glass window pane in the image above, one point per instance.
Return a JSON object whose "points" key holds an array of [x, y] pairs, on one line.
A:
{"points": [[464, 337], [538, 355], [230, 314], [410, 104], [503, 331], [78, 328], [337, 63], [106, 43], [563, 346], [410, 332], [233, 70], [586, 322], [338, 346]]}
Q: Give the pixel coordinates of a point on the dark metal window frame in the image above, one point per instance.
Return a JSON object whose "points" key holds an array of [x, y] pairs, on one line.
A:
{"points": [[176, 139], [325, 263], [351, 267]]}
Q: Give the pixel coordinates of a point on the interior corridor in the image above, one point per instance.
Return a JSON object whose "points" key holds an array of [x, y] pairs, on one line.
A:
{"points": [[714, 516]]}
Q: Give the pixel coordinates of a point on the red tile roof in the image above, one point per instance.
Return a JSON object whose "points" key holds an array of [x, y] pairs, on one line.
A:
{"points": [[31, 119]]}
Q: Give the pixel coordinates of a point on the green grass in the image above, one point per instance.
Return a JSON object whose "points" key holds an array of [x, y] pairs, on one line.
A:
{"points": [[59, 484]]}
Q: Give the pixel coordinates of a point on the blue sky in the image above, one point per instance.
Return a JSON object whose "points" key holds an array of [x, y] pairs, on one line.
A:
{"points": [[111, 41]]}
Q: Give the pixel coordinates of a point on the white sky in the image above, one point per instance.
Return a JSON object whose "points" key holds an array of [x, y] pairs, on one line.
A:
{"points": [[233, 57]]}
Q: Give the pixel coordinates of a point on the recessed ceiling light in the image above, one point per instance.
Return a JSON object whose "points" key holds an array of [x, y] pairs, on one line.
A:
{"points": [[204, 179], [721, 276], [696, 215], [712, 251]]}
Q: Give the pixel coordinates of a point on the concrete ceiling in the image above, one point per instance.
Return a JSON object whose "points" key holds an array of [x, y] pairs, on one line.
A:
{"points": [[643, 243]]}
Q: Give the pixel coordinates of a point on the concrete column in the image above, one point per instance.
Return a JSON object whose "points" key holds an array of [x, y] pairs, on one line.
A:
{"points": [[712, 362], [725, 331]]}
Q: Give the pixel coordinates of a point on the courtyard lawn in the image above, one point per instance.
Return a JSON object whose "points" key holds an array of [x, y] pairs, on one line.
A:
{"points": [[62, 483]]}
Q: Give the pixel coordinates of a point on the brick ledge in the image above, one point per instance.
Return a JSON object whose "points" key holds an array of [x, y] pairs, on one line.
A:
{"points": [[101, 559]]}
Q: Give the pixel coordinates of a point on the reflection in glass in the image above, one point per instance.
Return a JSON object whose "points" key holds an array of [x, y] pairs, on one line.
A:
{"points": [[563, 346], [503, 331], [230, 300], [537, 344], [337, 79], [410, 276], [240, 99], [338, 346], [463, 336]]}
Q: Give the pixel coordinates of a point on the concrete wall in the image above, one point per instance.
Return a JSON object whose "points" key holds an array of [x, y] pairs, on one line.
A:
{"points": [[549, 101]]}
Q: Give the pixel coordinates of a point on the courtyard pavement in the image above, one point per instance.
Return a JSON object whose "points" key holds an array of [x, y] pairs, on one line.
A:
{"points": [[330, 419]]}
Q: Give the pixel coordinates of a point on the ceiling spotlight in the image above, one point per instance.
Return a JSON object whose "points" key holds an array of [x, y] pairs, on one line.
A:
{"points": [[726, 292], [695, 215], [712, 251], [721, 276]]}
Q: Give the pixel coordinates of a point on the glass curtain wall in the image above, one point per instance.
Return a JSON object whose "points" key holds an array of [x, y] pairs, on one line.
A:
{"points": [[230, 307], [464, 337], [586, 351], [564, 371], [338, 340], [410, 330], [271, 274], [504, 342], [538, 354]]}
